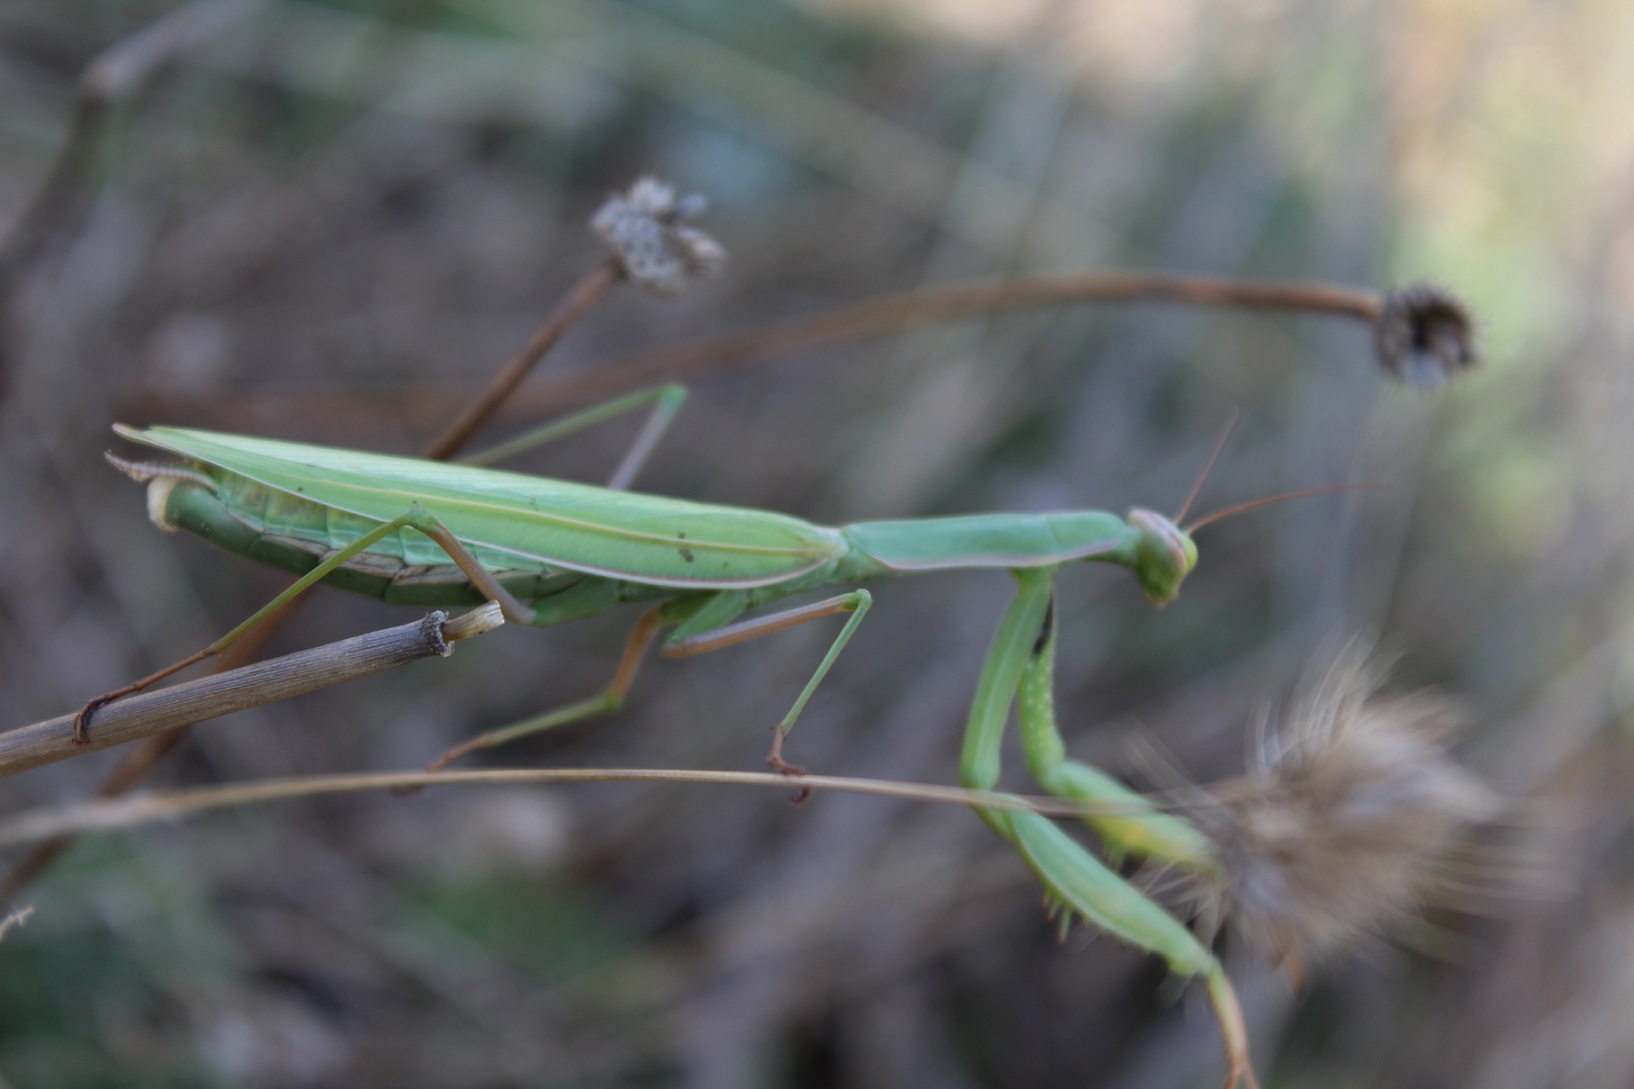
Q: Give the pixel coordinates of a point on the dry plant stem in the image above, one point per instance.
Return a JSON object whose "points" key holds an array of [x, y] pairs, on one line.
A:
{"points": [[589, 291], [900, 311], [111, 814], [166, 712], [148, 713], [114, 79], [141, 759]]}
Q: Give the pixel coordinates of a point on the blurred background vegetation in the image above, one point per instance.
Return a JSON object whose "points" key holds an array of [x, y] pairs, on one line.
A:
{"points": [[332, 221]]}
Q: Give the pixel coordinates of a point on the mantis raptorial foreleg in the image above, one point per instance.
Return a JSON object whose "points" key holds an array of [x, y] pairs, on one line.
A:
{"points": [[665, 400], [414, 518], [1127, 823], [1072, 877]]}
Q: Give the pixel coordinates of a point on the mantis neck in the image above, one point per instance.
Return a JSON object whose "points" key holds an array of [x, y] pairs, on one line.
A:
{"points": [[988, 540]]}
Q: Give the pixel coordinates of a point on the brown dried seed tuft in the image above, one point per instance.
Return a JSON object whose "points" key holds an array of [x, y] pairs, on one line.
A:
{"points": [[648, 229], [1425, 335], [1355, 816]]}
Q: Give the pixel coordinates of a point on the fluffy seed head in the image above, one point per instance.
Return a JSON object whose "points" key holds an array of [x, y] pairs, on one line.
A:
{"points": [[648, 230], [1425, 335], [1353, 817]]}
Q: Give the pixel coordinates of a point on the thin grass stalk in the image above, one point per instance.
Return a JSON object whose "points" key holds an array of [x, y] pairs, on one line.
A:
{"points": [[113, 814]]}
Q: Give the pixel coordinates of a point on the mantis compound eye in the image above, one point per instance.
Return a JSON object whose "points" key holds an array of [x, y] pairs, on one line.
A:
{"points": [[1166, 555]]}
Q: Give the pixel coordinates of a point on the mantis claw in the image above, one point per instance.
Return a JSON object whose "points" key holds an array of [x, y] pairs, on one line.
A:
{"points": [[1078, 884], [82, 721], [1239, 1071], [775, 761]]}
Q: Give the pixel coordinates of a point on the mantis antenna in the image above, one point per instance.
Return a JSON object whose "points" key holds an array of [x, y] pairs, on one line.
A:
{"points": [[1303, 493], [1208, 466]]}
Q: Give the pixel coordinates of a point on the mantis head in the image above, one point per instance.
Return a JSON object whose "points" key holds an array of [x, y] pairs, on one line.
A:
{"points": [[1164, 550], [1165, 554]]}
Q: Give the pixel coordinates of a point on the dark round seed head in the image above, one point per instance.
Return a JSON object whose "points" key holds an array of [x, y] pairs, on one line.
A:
{"points": [[1425, 335]]}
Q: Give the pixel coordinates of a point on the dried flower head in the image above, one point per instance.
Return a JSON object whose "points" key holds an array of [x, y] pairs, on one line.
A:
{"points": [[1354, 816], [1425, 335], [648, 231]]}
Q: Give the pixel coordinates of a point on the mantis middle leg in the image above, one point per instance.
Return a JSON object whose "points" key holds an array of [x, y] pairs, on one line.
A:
{"points": [[1073, 878], [666, 402], [684, 644]]}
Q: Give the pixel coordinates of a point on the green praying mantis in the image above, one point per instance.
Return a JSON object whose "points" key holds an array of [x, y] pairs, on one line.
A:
{"points": [[549, 551]]}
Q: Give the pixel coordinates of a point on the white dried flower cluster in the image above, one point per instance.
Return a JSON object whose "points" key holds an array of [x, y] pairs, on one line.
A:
{"points": [[648, 229]]}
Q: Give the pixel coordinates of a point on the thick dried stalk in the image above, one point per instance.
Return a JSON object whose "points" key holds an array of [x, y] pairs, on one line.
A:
{"points": [[164, 709], [162, 716]]}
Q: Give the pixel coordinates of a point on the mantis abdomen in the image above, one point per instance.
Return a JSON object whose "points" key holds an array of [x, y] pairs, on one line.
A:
{"points": [[405, 568]]}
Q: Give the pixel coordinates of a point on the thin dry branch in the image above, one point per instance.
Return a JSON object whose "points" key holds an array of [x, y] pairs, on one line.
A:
{"points": [[589, 291], [671, 362], [107, 815], [609, 378], [166, 709]]}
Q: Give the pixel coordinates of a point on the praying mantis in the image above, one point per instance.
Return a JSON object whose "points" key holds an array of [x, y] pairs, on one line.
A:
{"points": [[549, 551]]}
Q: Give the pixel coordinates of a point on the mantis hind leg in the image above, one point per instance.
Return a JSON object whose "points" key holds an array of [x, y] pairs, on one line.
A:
{"points": [[666, 402], [414, 518], [1074, 880], [606, 701], [707, 609]]}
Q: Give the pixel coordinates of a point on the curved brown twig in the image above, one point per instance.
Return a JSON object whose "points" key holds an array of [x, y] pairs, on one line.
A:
{"points": [[680, 361]]}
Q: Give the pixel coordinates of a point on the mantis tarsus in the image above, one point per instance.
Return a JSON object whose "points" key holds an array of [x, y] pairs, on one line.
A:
{"points": [[548, 551]]}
